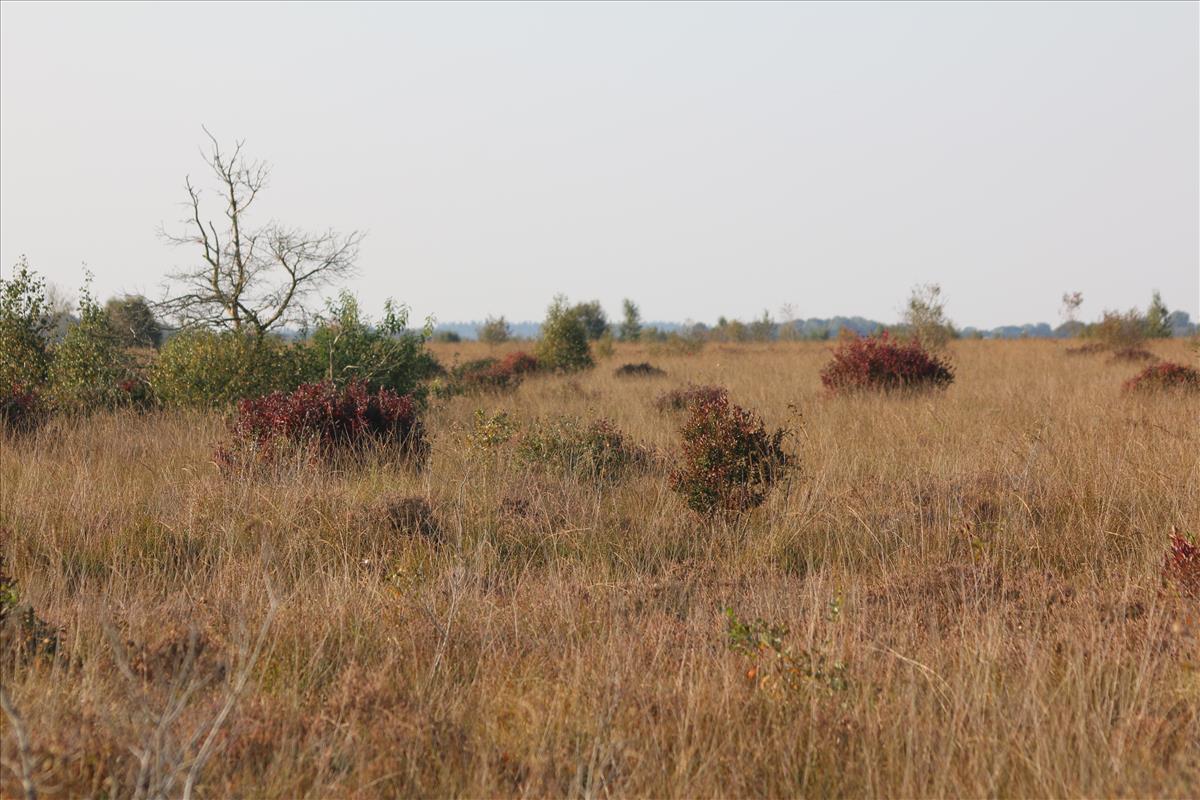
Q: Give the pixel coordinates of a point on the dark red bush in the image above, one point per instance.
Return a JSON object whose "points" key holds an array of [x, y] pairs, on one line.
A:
{"points": [[642, 370], [683, 399], [494, 374], [21, 410], [519, 363], [729, 462], [1181, 567], [1165, 376], [884, 364], [327, 418]]}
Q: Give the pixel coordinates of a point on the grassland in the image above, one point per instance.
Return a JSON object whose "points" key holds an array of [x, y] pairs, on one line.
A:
{"points": [[969, 582]]}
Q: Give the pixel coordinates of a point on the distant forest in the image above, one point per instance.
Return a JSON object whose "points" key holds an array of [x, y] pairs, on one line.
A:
{"points": [[816, 328]]}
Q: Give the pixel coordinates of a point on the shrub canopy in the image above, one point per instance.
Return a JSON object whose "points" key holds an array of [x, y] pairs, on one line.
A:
{"points": [[729, 462], [25, 324], [1165, 376], [346, 348], [212, 369], [91, 369], [325, 417], [884, 364], [564, 342]]}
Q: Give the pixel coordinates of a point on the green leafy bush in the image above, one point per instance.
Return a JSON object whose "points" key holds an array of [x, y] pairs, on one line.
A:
{"points": [[1119, 331], [782, 670], [491, 431], [25, 324], [133, 322], [592, 451], [346, 347], [594, 320], [211, 369], [925, 317], [494, 330], [564, 342], [1158, 319], [631, 325], [90, 369]]}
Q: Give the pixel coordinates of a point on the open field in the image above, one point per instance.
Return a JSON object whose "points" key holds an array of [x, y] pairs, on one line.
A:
{"points": [[970, 586]]}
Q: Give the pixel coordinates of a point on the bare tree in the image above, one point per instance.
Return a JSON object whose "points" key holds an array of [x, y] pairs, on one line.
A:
{"points": [[1071, 301], [250, 280]]}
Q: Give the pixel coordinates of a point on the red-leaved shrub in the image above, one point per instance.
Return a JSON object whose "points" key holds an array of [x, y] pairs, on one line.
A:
{"points": [[729, 461], [21, 410], [326, 418], [490, 374], [683, 399], [1181, 567], [884, 364], [1165, 376]]}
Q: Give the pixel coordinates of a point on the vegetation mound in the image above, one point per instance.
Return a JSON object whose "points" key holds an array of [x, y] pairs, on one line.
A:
{"points": [[683, 398], [1165, 376], [884, 364], [642, 370], [729, 462], [325, 420]]}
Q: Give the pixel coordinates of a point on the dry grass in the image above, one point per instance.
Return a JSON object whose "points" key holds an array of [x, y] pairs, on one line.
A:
{"points": [[983, 564]]}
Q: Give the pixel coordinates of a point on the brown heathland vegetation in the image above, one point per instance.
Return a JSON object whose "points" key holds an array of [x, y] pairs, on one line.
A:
{"points": [[961, 595]]}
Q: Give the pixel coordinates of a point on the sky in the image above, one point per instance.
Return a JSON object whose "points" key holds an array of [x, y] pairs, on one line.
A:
{"points": [[701, 159]]}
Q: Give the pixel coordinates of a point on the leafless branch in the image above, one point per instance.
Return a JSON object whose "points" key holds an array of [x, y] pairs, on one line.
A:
{"points": [[23, 747], [251, 280]]}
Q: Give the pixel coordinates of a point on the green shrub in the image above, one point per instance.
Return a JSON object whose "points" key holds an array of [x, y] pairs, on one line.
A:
{"points": [[133, 322], [1158, 318], [592, 451], [594, 320], [564, 342], [631, 326], [925, 317], [1119, 331], [346, 348], [491, 431], [210, 369], [494, 330], [24, 330], [90, 369]]}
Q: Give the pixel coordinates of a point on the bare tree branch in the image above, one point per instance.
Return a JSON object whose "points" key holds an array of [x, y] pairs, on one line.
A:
{"points": [[251, 280], [23, 748]]}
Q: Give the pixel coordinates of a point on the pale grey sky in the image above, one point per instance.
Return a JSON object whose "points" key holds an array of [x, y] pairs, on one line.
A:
{"points": [[703, 159]]}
